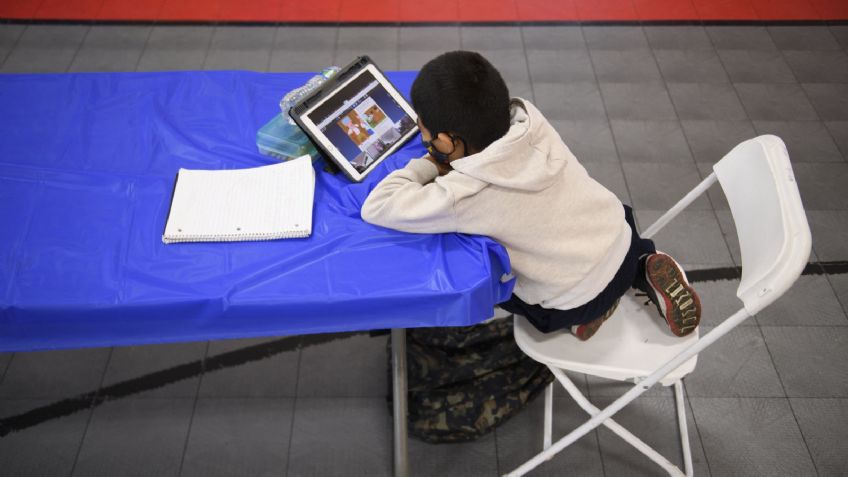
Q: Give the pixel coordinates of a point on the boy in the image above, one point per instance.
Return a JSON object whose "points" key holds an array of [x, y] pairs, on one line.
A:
{"points": [[496, 167]]}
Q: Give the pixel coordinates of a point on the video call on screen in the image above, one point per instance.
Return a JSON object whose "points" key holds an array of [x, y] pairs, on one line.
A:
{"points": [[362, 120]]}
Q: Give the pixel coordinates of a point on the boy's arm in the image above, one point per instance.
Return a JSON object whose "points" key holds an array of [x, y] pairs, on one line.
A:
{"points": [[409, 200]]}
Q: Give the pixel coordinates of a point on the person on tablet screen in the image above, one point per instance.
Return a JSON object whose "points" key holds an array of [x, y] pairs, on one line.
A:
{"points": [[354, 128], [497, 167]]}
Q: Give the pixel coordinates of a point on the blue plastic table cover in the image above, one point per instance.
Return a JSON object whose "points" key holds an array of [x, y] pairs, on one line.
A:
{"points": [[87, 168]]}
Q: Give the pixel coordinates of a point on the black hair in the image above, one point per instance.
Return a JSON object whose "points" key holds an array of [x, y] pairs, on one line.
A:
{"points": [[461, 92]]}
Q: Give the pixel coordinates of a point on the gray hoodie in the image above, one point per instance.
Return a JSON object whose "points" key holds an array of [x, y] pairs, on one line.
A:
{"points": [[565, 233]]}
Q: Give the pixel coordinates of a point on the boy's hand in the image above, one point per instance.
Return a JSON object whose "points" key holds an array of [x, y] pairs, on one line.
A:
{"points": [[442, 167]]}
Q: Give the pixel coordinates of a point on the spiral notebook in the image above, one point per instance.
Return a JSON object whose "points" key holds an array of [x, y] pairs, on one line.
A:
{"points": [[260, 203]]}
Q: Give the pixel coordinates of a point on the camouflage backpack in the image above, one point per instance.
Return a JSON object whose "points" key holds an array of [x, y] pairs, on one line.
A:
{"points": [[465, 381]]}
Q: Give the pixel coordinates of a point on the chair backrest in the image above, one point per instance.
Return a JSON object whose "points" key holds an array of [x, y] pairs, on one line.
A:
{"points": [[774, 237]]}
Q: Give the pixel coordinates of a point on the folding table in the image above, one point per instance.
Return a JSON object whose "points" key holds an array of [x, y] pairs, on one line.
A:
{"points": [[87, 167]]}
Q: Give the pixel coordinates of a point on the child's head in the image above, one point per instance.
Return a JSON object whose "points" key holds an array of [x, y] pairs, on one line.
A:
{"points": [[461, 93]]}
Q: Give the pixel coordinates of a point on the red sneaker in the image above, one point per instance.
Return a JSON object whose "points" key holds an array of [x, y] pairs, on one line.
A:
{"points": [[675, 299], [587, 330]]}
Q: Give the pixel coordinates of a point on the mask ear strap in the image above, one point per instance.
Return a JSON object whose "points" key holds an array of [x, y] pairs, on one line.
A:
{"points": [[453, 143], [436, 150], [464, 144], [443, 156], [436, 136]]}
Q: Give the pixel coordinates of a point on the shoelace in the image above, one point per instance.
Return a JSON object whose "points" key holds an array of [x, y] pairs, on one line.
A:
{"points": [[648, 301]]}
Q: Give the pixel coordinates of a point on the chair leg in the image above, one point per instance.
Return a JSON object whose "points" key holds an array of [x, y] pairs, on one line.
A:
{"points": [[684, 431], [549, 415], [609, 423]]}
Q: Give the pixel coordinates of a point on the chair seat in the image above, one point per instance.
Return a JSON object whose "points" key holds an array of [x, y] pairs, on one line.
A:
{"points": [[632, 343]]}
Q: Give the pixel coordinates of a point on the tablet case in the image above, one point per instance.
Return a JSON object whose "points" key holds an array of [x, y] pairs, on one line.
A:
{"points": [[322, 91]]}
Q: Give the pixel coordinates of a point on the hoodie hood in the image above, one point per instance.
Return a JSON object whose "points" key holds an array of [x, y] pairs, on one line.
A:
{"points": [[507, 162]]}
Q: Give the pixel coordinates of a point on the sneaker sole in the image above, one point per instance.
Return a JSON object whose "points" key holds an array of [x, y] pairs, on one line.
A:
{"points": [[682, 304]]}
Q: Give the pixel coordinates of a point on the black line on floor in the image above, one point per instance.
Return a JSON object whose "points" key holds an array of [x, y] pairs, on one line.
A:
{"points": [[714, 274], [162, 378], [265, 350], [732, 273]]}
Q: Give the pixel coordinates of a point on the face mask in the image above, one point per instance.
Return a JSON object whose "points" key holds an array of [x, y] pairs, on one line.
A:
{"points": [[437, 154]]}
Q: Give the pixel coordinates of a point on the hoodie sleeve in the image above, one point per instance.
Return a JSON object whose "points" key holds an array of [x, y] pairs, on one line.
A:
{"points": [[410, 200]]}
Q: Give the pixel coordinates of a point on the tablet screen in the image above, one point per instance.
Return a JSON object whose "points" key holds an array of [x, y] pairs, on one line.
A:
{"points": [[362, 122]]}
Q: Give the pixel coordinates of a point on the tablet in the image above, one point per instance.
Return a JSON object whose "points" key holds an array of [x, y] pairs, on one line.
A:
{"points": [[357, 118]]}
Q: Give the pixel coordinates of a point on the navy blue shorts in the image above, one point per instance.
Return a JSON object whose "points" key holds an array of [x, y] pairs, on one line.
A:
{"points": [[628, 275]]}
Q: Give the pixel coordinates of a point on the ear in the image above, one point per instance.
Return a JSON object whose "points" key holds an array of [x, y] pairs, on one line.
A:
{"points": [[445, 138]]}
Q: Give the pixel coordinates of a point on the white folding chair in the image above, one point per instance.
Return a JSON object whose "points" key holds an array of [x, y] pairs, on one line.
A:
{"points": [[634, 344]]}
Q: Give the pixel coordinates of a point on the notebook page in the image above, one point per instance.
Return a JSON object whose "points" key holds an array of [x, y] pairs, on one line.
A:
{"points": [[261, 203]]}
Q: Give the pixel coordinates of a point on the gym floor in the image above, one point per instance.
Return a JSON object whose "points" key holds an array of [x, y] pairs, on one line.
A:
{"points": [[646, 108]]}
